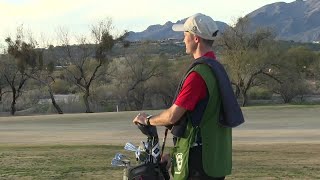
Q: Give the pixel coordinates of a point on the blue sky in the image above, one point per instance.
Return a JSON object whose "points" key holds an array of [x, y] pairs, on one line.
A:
{"points": [[45, 16]]}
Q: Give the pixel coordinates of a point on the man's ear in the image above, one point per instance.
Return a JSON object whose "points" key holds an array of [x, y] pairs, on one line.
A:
{"points": [[196, 38]]}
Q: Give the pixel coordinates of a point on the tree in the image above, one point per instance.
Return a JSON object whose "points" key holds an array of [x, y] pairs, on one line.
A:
{"points": [[21, 56], [88, 61], [166, 85], [316, 71], [134, 73], [247, 55], [46, 78], [291, 87], [30, 62], [303, 60], [42, 71], [2, 79], [16, 80], [295, 67]]}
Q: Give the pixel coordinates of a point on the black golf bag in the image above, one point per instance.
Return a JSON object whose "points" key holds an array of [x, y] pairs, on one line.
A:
{"points": [[148, 171], [152, 169]]}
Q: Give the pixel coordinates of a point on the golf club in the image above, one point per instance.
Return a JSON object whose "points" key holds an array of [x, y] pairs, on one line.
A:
{"points": [[121, 157], [119, 163], [130, 147]]}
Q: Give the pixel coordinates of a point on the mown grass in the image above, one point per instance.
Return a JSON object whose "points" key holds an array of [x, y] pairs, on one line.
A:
{"points": [[276, 161], [251, 161], [58, 162], [29, 150]]}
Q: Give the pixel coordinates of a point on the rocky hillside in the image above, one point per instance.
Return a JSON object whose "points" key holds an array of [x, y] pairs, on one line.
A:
{"points": [[161, 32], [298, 21]]}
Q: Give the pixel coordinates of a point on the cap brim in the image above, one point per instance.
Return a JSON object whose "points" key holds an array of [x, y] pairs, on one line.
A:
{"points": [[178, 27]]}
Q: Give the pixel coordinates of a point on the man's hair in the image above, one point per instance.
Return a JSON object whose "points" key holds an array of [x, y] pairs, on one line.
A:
{"points": [[207, 42]]}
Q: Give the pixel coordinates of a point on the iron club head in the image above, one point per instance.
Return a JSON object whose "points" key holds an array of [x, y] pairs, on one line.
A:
{"points": [[121, 157], [130, 147], [118, 163]]}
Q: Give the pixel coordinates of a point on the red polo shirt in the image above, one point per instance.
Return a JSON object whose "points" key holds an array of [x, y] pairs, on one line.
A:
{"points": [[193, 89]]}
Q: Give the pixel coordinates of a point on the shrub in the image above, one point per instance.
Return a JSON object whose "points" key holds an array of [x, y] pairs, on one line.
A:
{"points": [[259, 93], [60, 87]]}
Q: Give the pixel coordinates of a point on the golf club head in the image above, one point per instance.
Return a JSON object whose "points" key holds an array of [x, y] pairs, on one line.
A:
{"points": [[118, 163], [137, 153], [143, 157], [130, 147], [121, 157], [142, 146], [145, 145]]}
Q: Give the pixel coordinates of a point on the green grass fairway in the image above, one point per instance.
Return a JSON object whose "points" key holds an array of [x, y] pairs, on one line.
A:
{"points": [[276, 142], [58, 162], [271, 161]]}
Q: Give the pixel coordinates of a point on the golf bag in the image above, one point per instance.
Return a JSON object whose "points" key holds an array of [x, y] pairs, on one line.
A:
{"points": [[150, 169], [147, 171]]}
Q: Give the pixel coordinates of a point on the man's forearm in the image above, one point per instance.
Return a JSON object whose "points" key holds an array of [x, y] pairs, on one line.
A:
{"points": [[168, 117]]}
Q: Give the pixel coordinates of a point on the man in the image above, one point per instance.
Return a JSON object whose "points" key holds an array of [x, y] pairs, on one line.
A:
{"points": [[202, 145]]}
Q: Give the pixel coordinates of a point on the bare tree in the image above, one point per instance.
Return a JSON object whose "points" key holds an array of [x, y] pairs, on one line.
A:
{"points": [[247, 55], [316, 71], [21, 56], [86, 62], [46, 78], [291, 88], [296, 65], [16, 80], [3, 83], [43, 70], [165, 86], [135, 70]]}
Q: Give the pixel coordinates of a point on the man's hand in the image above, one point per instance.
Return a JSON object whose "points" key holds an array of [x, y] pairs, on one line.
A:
{"points": [[141, 118]]}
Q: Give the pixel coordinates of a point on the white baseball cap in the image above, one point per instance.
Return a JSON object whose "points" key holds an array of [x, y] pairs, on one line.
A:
{"points": [[200, 25]]}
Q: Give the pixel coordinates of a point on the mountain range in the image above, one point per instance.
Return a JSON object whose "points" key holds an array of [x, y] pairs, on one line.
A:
{"points": [[160, 32], [297, 21]]}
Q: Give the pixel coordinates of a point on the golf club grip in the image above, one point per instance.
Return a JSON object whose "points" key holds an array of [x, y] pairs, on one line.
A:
{"points": [[139, 124]]}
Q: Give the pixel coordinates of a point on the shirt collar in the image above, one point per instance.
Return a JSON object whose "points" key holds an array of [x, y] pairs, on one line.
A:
{"points": [[210, 54]]}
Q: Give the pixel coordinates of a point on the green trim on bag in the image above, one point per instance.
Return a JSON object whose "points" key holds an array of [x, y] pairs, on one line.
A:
{"points": [[216, 140], [180, 153]]}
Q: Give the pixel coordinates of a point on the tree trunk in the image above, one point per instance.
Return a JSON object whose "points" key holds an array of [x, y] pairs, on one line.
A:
{"points": [[13, 103], [139, 101], [54, 103], [0, 94], [138, 105], [244, 98], [86, 101], [237, 93], [286, 99]]}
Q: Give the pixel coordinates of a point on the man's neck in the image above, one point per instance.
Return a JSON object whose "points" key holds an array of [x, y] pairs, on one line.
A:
{"points": [[200, 51]]}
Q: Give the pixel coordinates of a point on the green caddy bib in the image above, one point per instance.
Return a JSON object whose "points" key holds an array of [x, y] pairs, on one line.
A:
{"points": [[216, 140], [180, 153]]}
